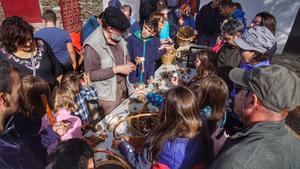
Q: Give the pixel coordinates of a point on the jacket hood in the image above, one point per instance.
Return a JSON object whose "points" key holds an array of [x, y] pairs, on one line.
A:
{"points": [[238, 14], [138, 35]]}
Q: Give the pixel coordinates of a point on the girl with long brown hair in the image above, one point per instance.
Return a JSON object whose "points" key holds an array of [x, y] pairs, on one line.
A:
{"points": [[204, 67], [178, 141], [28, 122], [212, 93]]}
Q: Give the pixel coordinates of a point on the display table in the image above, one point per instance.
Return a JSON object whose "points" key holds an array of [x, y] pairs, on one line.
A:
{"points": [[161, 82]]}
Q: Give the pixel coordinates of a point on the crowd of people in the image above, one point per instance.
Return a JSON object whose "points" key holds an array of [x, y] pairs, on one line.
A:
{"points": [[240, 110]]}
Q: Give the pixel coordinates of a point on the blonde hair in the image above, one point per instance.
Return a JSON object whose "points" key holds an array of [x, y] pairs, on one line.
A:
{"points": [[72, 81], [63, 97]]}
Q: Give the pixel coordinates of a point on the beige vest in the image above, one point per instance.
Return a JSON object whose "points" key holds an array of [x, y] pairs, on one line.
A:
{"points": [[106, 88]]}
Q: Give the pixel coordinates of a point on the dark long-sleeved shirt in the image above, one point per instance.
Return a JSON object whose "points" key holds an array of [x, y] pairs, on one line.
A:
{"points": [[208, 20]]}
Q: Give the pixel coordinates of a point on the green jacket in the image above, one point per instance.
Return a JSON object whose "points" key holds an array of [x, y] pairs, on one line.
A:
{"points": [[265, 145]]}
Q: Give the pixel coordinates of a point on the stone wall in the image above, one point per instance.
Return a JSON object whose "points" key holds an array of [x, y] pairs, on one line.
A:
{"points": [[89, 8]]}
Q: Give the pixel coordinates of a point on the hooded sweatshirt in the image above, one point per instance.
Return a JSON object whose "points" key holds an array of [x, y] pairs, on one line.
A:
{"points": [[147, 48]]}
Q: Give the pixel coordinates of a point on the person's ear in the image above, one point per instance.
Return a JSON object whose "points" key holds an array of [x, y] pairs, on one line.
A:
{"points": [[252, 101], [3, 99], [109, 29]]}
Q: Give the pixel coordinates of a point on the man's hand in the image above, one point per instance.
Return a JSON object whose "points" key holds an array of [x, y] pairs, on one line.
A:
{"points": [[124, 69]]}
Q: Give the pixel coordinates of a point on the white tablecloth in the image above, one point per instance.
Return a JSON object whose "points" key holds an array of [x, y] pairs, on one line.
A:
{"points": [[124, 109]]}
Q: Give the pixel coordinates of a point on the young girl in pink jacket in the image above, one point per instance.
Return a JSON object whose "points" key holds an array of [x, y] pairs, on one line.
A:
{"points": [[66, 125]]}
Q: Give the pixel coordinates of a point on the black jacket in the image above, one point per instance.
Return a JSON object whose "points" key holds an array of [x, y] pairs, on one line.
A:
{"points": [[15, 153], [208, 20], [228, 58]]}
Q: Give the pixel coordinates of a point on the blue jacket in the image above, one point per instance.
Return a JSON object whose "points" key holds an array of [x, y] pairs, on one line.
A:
{"points": [[135, 26], [147, 48], [180, 153], [90, 25], [239, 15], [189, 21], [14, 152]]}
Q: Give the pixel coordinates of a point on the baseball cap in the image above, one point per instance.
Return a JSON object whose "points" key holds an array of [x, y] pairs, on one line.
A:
{"points": [[116, 18], [258, 39], [276, 87]]}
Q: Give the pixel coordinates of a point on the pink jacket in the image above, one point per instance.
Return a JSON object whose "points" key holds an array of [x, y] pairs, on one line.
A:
{"points": [[75, 127], [73, 132]]}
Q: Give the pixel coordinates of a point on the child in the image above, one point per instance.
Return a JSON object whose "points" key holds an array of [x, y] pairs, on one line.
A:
{"points": [[203, 67], [84, 91], [74, 153], [178, 141], [63, 102], [143, 48], [164, 34], [28, 122], [212, 93], [185, 17], [66, 125]]}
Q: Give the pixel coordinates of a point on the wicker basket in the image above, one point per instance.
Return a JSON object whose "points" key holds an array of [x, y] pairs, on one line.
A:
{"points": [[185, 36], [168, 58], [137, 140], [113, 161]]}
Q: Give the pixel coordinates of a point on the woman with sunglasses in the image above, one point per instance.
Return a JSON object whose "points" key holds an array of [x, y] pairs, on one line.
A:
{"points": [[32, 56]]}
